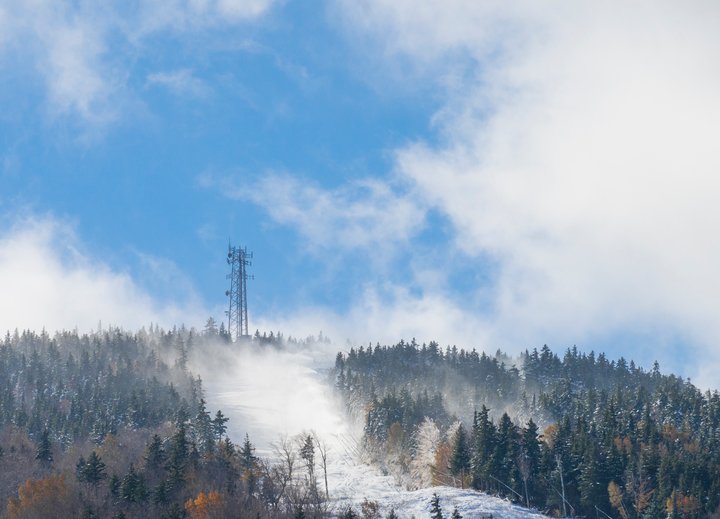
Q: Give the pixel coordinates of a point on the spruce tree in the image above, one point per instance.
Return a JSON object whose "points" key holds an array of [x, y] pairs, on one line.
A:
{"points": [[155, 453], [435, 509], [219, 427], [94, 470], [483, 447], [44, 449], [460, 458]]}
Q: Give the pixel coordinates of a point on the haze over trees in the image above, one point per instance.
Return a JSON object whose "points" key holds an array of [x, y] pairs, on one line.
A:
{"points": [[114, 424], [577, 435]]}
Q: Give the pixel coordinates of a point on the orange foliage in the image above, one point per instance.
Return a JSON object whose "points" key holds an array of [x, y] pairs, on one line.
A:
{"points": [[685, 506], [550, 434], [442, 462], [623, 445], [205, 506], [37, 498]]}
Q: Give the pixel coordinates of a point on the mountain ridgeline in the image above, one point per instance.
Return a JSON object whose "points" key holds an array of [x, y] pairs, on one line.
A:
{"points": [[579, 435], [114, 424]]}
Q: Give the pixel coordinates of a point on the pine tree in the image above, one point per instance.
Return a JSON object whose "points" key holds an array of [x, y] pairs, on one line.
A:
{"points": [[455, 514], [435, 509], [529, 460], [178, 455], [155, 453], [91, 471], [133, 488], [219, 427], [248, 464], [115, 485], [483, 447], [460, 457], [80, 470], [503, 462], [204, 429], [44, 449]]}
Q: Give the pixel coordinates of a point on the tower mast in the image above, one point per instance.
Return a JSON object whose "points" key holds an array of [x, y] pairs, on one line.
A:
{"points": [[239, 259]]}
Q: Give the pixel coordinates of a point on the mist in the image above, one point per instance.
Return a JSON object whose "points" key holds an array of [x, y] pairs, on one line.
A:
{"points": [[271, 391]]}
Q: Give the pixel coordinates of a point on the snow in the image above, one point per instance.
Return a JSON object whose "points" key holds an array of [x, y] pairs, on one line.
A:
{"points": [[269, 394]]}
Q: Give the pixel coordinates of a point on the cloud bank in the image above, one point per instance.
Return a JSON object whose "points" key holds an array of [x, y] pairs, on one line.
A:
{"points": [[49, 282], [577, 151]]}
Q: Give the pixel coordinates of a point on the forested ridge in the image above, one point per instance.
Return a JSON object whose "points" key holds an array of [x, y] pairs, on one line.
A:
{"points": [[113, 424], [613, 438]]}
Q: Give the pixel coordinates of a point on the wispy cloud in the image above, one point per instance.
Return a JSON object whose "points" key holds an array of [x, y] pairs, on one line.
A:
{"points": [[366, 214], [181, 82], [68, 42]]}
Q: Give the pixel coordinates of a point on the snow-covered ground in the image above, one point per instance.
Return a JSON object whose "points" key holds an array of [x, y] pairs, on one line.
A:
{"points": [[268, 394]]}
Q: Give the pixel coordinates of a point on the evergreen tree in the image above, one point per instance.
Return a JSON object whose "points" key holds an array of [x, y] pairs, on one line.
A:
{"points": [[435, 508], [460, 458], [178, 455], [80, 470], [44, 448], [155, 453], [248, 464], [133, 488], [503, 461], [529, 461], [204, 429], [115, 485], [483, 447], [91, 471], [219, 427]]}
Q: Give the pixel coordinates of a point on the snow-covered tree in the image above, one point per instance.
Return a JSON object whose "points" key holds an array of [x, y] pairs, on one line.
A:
{"points": [[427, 440]]}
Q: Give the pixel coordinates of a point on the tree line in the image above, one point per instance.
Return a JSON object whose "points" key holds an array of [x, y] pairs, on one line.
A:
{"points": [[579, 435]]}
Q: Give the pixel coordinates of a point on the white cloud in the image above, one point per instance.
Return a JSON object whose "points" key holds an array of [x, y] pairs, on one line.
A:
{"points": [[386, 313], [68, 43], [580, 152], [361, 215], [48, 281], [181, 82]]}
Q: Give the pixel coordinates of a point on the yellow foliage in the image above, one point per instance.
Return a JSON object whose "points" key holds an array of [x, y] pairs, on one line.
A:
{"points": [[205, 506], [615, 494], [38, 498]]}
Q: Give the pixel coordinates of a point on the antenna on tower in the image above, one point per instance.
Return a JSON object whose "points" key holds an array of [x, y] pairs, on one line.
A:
{"points": [[239, 259]]}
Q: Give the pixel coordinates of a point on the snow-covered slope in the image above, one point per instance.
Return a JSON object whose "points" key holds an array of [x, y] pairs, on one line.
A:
{"points": [[351, 481], [269, 393]]}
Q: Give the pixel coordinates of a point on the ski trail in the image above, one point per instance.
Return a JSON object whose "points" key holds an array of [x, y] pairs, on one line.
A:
{"points": [[269, 394]]}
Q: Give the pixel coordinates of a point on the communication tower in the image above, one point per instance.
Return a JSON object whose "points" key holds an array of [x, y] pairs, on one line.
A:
{"points": [[239, 259]]}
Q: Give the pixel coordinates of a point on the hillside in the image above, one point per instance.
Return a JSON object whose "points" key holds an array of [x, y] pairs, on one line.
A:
{"points": [[117, 424]]}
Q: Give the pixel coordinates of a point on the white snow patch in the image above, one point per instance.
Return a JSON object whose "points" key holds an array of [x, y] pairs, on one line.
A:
{"points": [[269, 394]]}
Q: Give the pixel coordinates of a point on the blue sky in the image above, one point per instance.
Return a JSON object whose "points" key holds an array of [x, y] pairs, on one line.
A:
{"points": [[486, 174]]}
